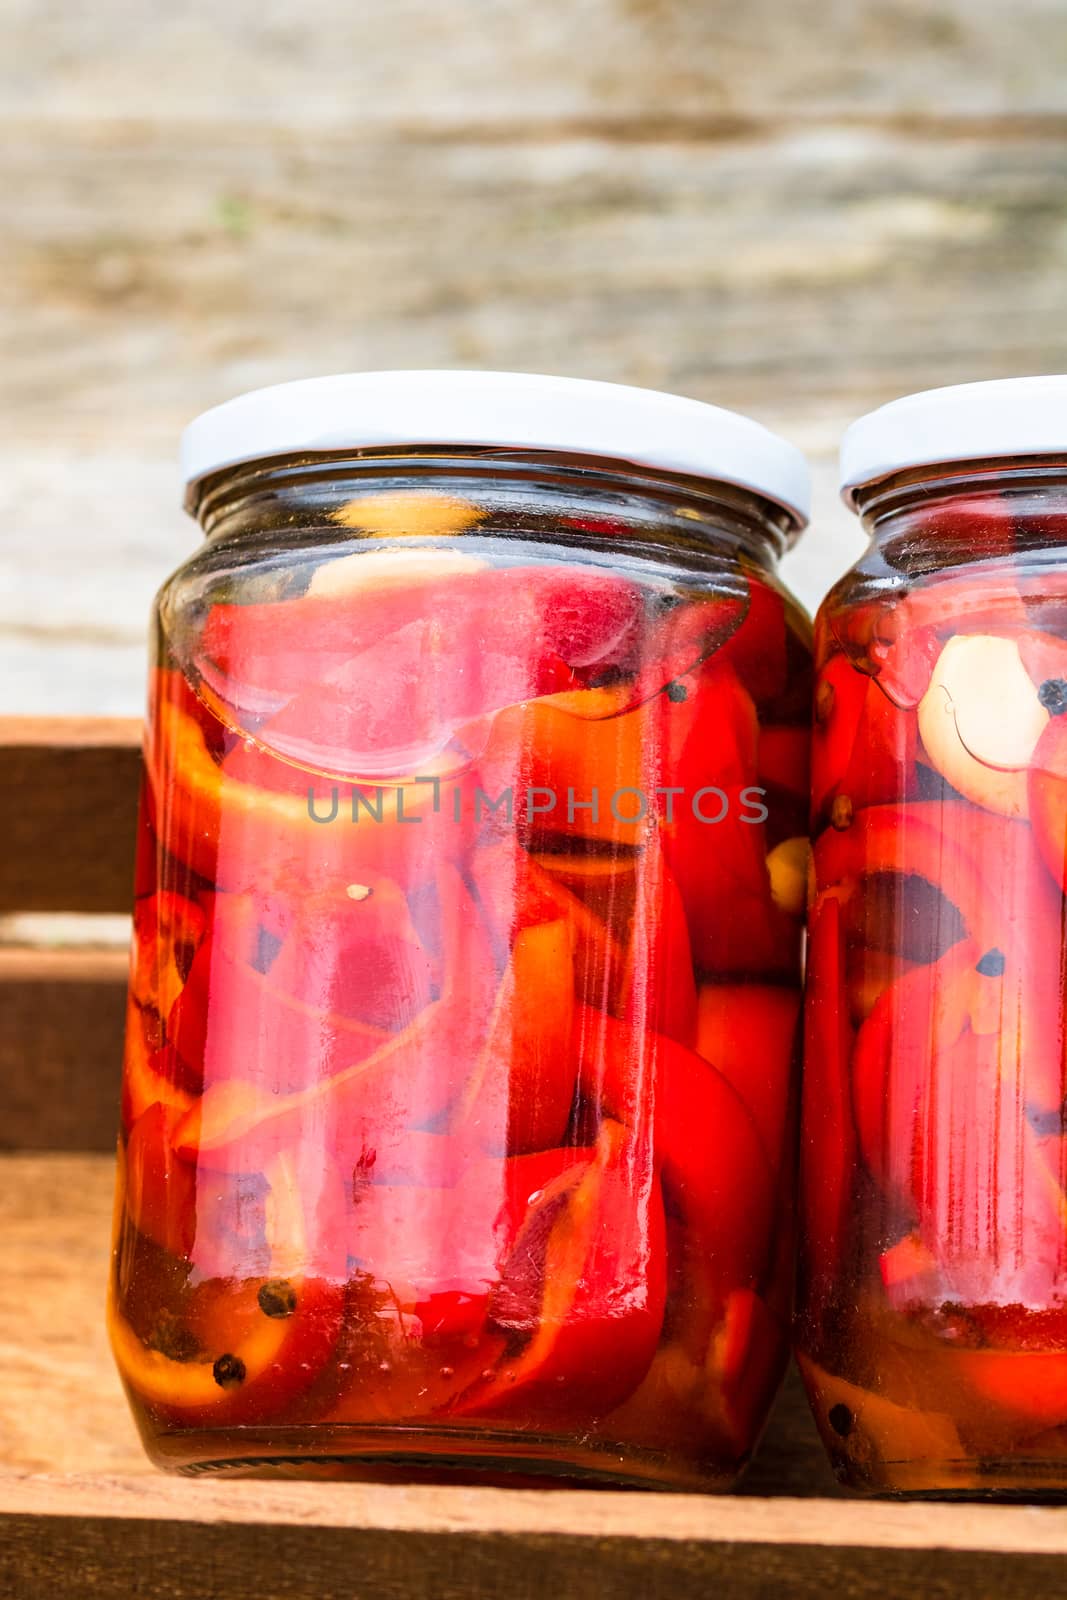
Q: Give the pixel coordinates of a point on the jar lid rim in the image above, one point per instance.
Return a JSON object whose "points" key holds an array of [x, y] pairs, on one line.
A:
{"points": [[1001, 417], [370, 410]]}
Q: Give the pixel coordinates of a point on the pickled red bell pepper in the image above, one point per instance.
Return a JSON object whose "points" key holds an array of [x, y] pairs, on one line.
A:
{"points": [[515, 892], [748, 1033], [234, 1022], [987, 884], [658, 989], [151, 1073], [827, 1132], [168, 930], [863, 748], [356, 953], [988, 1204], [1047, 790], [160, 1189], [920, 1016], [703, 1135], [758, 651], [716, 846], [576, 775], [582, 1294], [411, 1079], [237, 832], [520, 1093], [521, 617], [439, 1250]]}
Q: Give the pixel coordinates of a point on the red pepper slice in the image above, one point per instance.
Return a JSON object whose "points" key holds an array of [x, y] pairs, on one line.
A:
{"points": [[168, 930], [994, 890], [1047, 786], [151, 1074], [583, 1290], [242, 835], [716, 845], [396, 707], [658, 990], [988, 1205], [921, 1015], [515, 892], [827, 1136], [927, 840], [863, 746], [232, 1022], [520, 1094], [783, 759], [712, 1401], [520, 616], [160, 1190], [258, 1343], [748, 1031], [758, 652], [745, 1365], [705, 1139], [577, 776], [909, 1273], [411, 1080], [356, 954], [899, 638], [439, 1251], [691, 632], [1023, 1389]]}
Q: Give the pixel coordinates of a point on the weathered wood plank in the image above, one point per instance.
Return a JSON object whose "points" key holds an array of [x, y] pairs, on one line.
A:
{"points": [[62, 1409], [420, 61], [63, 1014], [792, 210], [68, 804], [464, 1553], [801, 276]]}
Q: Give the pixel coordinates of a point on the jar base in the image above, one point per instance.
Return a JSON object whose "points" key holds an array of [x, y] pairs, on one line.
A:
{"points": [[1004, 1479], [428, 1455]]}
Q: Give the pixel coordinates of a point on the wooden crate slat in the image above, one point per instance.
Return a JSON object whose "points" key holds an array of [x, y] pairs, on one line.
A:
{"points": [[68, 805], [324, 1541], [62, 1015]]}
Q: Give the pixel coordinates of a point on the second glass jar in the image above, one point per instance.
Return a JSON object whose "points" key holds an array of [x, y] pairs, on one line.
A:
{"points": [[933, 1326]]}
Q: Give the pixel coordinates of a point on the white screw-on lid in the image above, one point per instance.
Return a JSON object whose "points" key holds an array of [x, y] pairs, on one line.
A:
{"points": [[504, 410], [967, 422]]}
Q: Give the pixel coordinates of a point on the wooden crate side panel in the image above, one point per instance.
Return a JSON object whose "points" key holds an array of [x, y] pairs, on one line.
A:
{"points": [[68, 805], [61, 1030]]}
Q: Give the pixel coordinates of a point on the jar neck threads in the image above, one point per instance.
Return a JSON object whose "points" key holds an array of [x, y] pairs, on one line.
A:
{"points": [[582, 500]]}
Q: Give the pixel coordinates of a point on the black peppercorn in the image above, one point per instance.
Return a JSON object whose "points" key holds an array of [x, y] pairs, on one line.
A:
{"points": [[228, 1372], [277, 1298], [1053, 696], [841, 1420]]}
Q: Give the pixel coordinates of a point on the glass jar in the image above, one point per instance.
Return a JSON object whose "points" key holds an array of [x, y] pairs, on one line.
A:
{"points": [[933, 1316], [458, 1110]]}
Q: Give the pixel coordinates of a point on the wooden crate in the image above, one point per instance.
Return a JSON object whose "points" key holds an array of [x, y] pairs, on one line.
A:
{"points": [[81, 1512]]}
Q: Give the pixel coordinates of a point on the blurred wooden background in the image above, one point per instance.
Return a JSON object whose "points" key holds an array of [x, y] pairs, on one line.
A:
{"points": [[795, 207]]}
